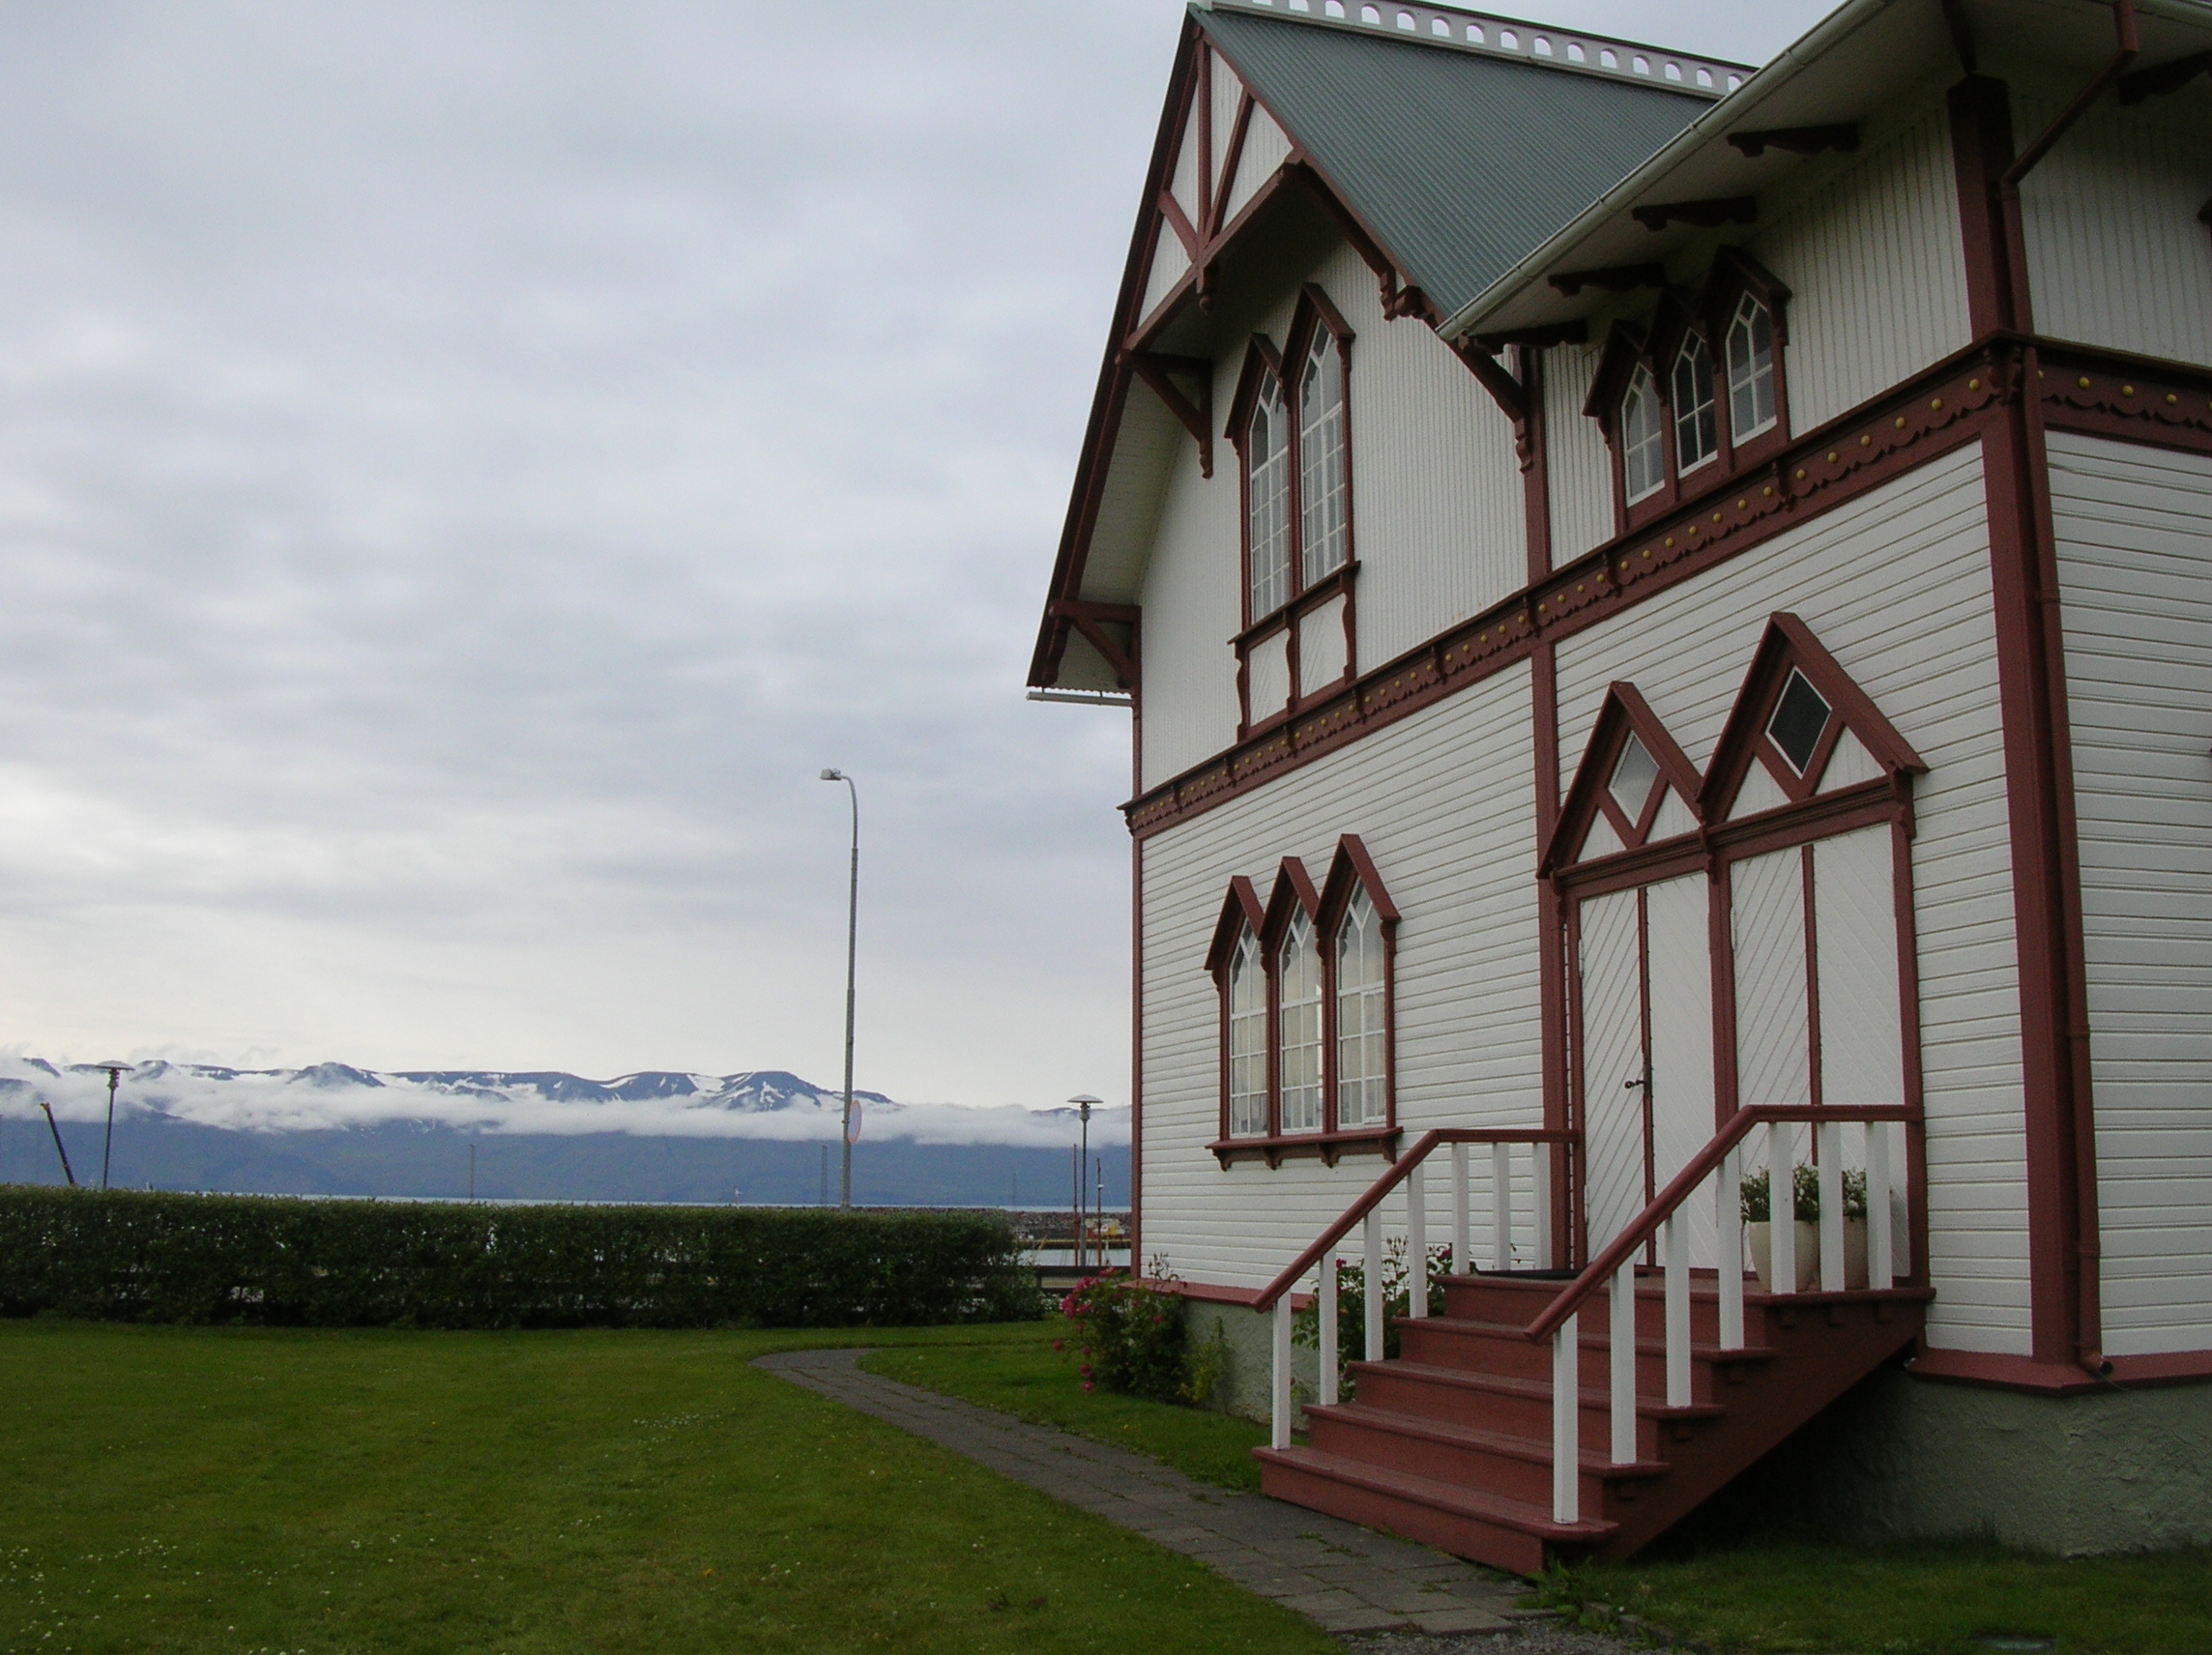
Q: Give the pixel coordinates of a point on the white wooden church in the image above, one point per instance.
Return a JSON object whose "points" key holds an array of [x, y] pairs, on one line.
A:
{"points": [[1667, 609]]}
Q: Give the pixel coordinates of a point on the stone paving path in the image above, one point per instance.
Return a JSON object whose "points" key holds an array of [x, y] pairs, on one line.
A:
{"points": [[1343, 1577]]}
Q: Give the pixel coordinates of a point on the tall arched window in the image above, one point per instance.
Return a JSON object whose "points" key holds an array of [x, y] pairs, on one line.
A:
{"points": [[1322, 486], [1298, 988], [1752, 402], [1267, 497], [1697, 421], [1643, 452], [1247, 1040], [1361, 1036]]}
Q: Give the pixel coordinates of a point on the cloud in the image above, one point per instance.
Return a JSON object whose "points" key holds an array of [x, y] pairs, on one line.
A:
{"points": [[772, 1106]]}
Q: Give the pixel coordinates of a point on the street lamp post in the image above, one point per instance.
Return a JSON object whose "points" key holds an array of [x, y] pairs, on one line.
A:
{"points": [[852, 960], [116, 1069], [1083, 1103]]}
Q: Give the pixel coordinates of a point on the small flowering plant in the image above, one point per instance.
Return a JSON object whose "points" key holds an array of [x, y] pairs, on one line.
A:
{"points": [[1129, 1336]]}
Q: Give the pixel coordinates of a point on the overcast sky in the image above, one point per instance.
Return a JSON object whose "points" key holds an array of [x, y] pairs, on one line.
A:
{"points": [[465, 468]]}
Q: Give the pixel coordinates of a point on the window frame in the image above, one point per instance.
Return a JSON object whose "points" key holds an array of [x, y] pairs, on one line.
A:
{"points": [[1314, 319], [1292, 897], [1654, 347]]}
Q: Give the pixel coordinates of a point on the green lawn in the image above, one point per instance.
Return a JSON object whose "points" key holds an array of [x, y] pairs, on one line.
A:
{"points": [[1022, 1374], [1921, 1599], [187, 1490]]}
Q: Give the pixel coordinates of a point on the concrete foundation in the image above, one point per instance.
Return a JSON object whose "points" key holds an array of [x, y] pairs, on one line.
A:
{"points": [[1906, 1459]]}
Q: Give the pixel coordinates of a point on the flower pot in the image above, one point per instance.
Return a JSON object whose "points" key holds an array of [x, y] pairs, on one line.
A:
{"points": [[1809, 1255]]}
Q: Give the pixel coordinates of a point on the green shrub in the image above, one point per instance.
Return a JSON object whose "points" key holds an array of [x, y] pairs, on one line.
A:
{"points": [[1129, 1338], [1805, 1188], [123, 1256], [1351, 1305]]}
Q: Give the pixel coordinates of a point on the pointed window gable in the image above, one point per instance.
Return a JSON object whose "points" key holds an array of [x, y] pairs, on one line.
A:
{"points": [[1800, 728], [1634, 786]]}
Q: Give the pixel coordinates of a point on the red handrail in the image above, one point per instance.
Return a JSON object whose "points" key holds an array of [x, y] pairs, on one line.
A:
{"points": [[1389, 1181], [1629, 1241]]}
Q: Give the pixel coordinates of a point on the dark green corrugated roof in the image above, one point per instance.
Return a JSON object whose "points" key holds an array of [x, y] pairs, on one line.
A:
{"points": [[1461, 163]]}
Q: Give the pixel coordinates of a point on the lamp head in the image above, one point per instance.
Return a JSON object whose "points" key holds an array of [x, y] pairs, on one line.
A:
{"points": [[832, 776], [1084, 1102]]}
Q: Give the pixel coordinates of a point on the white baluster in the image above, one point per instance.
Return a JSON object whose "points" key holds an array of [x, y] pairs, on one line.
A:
{"points": [[1281, 1412], [1416, 1242], [1831, 1140], [1780, 1210], [1882, 1255], [1678, 1245], [1622, 1335], [1566, 1422], [1501, 1207], [1328, 1346], [1372, 1270], [1462, 1240], [1728, 1225]]}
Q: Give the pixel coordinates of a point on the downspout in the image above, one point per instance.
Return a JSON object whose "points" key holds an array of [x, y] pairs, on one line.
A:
{"points": [[2083, 1243]]}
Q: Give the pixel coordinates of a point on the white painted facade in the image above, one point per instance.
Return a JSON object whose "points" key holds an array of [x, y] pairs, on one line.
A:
{"points": [[2134, 563]]}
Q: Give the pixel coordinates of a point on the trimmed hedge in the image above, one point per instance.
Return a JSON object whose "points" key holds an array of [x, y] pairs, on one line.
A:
{"points": [[123, 1256]]}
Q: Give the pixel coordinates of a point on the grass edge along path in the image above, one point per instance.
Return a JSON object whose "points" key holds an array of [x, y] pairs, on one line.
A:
{"points": [[190, 1490], [1022, 1374], [1922, 1598]]}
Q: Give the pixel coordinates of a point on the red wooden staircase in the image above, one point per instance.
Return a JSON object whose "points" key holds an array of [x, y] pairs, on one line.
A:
{"points": [[1458, 1440]]}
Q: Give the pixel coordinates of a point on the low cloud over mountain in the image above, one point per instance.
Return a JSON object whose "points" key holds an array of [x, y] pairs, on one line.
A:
{"points": [[769, 1104]]}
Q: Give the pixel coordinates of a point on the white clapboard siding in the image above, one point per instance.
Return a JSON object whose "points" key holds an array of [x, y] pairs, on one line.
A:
{"points": [[2135, 565], [1577, 465], [1609, 954], [2116, 255], [1267, 146], [1437, 521], [1875, 265], [1854, 951], [1680, 966], [1444, 801], [1773, 1038], [1896, 585], [1227, 90], [1192, 607]]}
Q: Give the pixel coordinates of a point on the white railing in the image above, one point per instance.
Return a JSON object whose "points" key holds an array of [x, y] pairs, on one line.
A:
{"points": [[1674, 1228], [1513, 1185], [1510, 37]]}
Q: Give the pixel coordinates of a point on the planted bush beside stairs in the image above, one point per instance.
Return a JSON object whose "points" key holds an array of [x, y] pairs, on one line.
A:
{"points": [[125, 1256]]}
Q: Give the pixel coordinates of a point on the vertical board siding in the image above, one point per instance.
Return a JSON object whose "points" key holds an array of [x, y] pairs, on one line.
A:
{"points": [[1873, 260], [1183, 180], [1577, 465], [1267, 676], [2135, 565], [1321, 647], [1854, 930], [1444, 801], [1227, 90], [1612, 1020], [1896, 585], [1265, 148], [1169, 262], [2116, 255], [1437, 520]]}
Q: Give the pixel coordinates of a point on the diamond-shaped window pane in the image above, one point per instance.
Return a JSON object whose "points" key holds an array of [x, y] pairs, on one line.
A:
{"points": [[1631, 779], [1800, 718]]}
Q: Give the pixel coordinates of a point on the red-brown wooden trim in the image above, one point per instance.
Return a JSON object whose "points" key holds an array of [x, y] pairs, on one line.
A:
{"points": [[1531, 445], [1242, 911], [2060, 1378], [1137, 1053], [1328, 1147], [1195, 417], [1788, 645], [1203, 169], [1622, 713], [1232, 158], [1352, 869]]}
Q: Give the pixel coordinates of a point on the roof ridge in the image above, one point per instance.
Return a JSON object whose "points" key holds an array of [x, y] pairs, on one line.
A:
{"points": [[1486, 34]]}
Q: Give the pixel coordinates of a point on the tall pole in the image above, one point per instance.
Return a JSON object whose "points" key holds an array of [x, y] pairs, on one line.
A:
{"points": [[107, 1143], [852, 962], [55, 1129], [1082, 1160]]}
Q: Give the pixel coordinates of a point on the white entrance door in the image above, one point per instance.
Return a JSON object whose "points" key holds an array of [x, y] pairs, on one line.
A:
{"points": [[1646, 1046]]}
